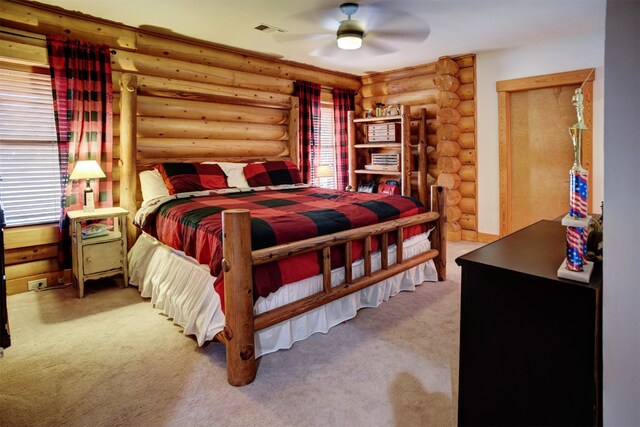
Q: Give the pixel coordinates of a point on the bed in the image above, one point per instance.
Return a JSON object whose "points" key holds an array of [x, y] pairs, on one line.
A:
{"points": [[222, 295]]}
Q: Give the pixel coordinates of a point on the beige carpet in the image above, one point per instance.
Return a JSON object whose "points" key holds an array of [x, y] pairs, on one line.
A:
{"points": [[111, 359]]}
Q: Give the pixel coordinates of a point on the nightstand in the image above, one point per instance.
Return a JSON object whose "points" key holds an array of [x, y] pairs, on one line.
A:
{"points": [[101, 256]]}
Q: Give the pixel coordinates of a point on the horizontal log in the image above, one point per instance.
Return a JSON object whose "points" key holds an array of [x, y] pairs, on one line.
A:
{"points": [[133, 62], [448, 148], [427, 96], [448, 83], [466, 124], [467, 156], [198, 148], [161, 86], [467, 140], [448, 116], [467, 205], [22, 53], [432, 140], [158, 127], [447, 131], [469, 235], [467, 188], [447, 99], [407, 84], [150, 106], [468, 222], [466, 91], [432, 157], [223, 56], [454, 236], [451, 181], [448, 164], [21, 284], [453, 197], [401, 73], [433, 171], [20, 237], [467, 108], [67, 24], [466, 75], [453, 226], [464, 61], [453, 213], [31, 268], [446, 66], [30, 253], [467, 173], [149, 163]]}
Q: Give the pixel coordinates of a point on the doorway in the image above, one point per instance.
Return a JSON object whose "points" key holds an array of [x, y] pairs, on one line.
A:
{"points": [[536, 151]]}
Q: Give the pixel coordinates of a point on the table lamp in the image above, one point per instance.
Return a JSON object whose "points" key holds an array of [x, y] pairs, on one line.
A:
{"points": [[87, 169]]}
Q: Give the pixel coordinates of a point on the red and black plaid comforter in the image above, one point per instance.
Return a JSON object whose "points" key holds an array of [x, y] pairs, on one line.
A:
{"points": [[194, 225]]}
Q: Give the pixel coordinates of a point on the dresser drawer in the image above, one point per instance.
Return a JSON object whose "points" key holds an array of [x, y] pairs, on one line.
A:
{"points": [[103, 257]]}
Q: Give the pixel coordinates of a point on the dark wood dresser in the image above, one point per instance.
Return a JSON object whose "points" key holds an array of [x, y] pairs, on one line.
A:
{"points": [[530, 343]]}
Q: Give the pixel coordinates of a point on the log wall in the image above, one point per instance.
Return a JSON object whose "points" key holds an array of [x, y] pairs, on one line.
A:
{"points": [[446, 90], [190, 104]]}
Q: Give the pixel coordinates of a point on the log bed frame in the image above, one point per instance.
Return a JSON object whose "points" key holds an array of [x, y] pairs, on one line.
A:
{"points": [[239, 259]]}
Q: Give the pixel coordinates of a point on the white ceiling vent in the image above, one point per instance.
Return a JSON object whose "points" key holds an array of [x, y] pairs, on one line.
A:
{"points": [[269, 29]]}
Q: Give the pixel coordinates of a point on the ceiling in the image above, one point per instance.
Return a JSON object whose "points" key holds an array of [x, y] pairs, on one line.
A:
{"points": [[453, 26]]}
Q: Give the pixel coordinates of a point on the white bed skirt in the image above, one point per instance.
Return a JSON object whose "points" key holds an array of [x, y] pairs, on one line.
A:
{"points": [[183, 290]]}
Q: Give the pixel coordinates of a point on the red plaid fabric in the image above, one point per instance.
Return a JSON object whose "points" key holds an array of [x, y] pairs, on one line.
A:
{"points": [[343, 102], [185, 177], [194, 225], [309, 128], [82, 99], [272, 173]]}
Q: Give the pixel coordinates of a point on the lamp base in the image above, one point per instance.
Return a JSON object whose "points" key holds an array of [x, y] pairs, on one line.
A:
{"points": [[89, 203]]}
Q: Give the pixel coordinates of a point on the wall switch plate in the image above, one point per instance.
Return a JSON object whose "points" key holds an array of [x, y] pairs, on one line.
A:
{"points": [[37, 284]]}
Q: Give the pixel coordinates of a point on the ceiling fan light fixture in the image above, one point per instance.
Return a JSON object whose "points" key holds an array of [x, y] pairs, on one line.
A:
{"points": [[350, 35]]}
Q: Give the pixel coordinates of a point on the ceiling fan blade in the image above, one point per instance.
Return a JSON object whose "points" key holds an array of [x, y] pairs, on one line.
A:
{"points": [[328, 50], [377, 47], [406, 35], [293, 37]]}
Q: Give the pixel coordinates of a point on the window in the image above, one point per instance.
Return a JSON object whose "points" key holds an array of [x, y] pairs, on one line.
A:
{"points": [[29, 171], [327, 147]]}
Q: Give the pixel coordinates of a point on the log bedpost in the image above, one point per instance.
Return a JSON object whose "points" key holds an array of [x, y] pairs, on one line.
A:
{"points": [[294, 115], [439, 234], [128, 131], [238, 297]]}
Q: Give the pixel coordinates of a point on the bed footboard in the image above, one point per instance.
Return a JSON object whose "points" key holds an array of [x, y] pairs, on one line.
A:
{"points": [[239, 260]]}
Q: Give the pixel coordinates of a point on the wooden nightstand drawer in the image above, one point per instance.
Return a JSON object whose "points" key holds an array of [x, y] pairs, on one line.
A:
{"points": [[103, 257]]}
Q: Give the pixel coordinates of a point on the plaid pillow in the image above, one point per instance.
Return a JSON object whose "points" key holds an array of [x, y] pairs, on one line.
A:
{"points": [[272, 173], [184, 177]]}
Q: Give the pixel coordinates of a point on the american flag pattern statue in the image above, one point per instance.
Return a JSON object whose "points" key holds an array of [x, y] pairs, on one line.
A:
{"points": [[578, 194]]}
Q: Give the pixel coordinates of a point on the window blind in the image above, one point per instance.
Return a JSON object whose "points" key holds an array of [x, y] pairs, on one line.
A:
{"points": [[327, 147], [29, 172]]}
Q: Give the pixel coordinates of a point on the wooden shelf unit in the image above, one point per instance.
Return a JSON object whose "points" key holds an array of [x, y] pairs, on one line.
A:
{"points": [[358, 140]]}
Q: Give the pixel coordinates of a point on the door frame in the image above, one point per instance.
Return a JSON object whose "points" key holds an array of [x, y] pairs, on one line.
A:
{"points": [[504, 89]]}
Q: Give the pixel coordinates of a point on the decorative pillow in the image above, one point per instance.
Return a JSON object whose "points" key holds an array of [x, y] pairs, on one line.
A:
{"points": [[235, 177], [152, 185], [185, 177], [272, 173]]}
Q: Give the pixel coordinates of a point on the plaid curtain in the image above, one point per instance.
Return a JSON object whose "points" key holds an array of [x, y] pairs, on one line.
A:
{"points": [[309, 128], [343, 101], [83, 99]]}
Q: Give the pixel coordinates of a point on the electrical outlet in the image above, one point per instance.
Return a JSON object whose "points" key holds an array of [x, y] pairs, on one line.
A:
{"points": [[37, 284]]}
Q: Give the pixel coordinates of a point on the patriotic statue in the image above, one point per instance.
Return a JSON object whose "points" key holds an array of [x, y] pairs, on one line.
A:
{"points": [[578, 181]]}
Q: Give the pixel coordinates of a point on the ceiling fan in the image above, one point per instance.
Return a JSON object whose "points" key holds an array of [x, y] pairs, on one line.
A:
{"points": [[379, 29]]}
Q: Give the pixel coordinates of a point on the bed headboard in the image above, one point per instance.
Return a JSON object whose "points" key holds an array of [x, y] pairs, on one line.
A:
{"points": [[160, 124]]}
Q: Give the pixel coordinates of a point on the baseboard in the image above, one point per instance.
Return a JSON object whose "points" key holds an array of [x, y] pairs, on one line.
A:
{"points": [[487, 238]]}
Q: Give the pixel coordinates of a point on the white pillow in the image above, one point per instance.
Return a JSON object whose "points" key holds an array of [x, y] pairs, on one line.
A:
{"points": [[235, 175], [152, 185]]}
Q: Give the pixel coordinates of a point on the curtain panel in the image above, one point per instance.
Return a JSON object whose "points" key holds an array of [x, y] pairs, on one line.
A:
{"points": [[309, 128], [343, 102], [83, 100]]}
